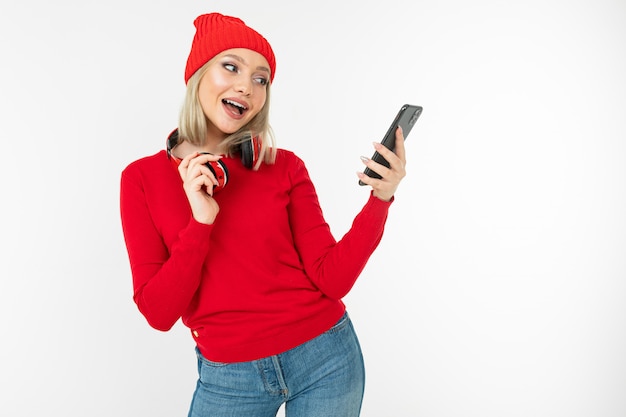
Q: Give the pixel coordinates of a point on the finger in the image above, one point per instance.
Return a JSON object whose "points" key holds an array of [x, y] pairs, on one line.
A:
{"points": [[366, 179], [196, 158], [204, 183], [184, 164], [188, 166], [196, 163], [199, 176], [201, 158], [187, 159], [380, 188], [400, 150], [380, 169], [196, 177], [211, 156], [207, 185], [386, 153], [207, 172]]}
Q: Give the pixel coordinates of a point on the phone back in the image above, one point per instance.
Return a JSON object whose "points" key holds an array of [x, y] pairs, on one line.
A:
{"points": [[405, 118]]}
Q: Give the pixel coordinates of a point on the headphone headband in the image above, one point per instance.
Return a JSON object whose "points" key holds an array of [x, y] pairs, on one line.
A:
{"points": [[250, 149]]}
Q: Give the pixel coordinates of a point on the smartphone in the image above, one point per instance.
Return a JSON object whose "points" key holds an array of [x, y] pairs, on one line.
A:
{"points": [[406, 118]]}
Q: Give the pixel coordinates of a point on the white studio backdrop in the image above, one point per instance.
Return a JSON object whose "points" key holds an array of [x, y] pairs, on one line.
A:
{"points": [[499, 286]]}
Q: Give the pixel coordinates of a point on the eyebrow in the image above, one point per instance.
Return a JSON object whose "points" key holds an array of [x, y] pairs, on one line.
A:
{"points": [[243, 61]]}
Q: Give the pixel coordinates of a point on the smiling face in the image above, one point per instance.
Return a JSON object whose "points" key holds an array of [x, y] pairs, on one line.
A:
{"points": [[233, 90]]}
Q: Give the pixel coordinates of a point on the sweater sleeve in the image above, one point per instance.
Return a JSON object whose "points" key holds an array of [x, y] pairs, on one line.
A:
{"points": [[333, 266], [164, 281]]}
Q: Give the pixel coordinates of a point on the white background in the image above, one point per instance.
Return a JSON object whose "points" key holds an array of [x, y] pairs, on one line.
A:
{"points": [[499, 287]]}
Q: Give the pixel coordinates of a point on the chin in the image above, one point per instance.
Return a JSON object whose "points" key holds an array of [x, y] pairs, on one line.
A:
{"points": [[225, 129]]}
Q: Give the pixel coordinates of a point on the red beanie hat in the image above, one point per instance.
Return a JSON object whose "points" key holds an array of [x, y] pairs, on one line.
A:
{"points": [[216, 33]]}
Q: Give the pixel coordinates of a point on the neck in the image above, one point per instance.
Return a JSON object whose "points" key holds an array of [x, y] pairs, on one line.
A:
{"points": [[185, 148]]}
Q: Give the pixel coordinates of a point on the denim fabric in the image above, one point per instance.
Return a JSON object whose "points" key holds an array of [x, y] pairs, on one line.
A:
{"points": [[320, 378]]}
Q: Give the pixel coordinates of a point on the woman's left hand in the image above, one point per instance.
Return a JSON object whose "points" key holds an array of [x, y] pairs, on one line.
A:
{"points": [[386, 187]]}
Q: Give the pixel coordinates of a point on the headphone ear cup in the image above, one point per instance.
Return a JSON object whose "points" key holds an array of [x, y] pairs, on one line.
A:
{"points": [[250, 151], [172, 141], [218, 168]]}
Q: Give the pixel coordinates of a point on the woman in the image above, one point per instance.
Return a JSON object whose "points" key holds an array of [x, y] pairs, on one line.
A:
{"points": [[224, 230]]}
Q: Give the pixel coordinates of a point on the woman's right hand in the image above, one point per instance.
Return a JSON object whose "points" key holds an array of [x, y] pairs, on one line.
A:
{"points": [[198, 183]]}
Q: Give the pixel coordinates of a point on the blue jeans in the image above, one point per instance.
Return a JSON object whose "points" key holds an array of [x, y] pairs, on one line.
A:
{"points": [[320, 378]]}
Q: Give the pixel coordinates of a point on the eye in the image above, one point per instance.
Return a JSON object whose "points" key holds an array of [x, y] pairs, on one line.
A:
{"points": [[261, 80], [230, 67]]}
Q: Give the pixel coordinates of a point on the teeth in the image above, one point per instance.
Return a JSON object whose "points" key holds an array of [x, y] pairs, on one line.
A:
{"points": [[232, 103]]}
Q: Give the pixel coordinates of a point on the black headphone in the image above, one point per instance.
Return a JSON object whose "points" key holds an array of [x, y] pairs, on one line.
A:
{"points": [[249, 150]]}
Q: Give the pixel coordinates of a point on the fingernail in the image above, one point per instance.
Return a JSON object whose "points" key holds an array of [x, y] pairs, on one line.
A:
{"points": [[364, 158]]}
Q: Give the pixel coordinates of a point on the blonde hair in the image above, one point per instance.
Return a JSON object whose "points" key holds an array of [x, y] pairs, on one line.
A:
{"points": [[192, 124]]}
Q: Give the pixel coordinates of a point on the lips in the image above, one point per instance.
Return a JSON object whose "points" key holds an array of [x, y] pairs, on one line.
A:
{"points": [[234, 107]]}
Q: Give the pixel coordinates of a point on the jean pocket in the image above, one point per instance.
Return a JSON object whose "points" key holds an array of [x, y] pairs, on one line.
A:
{"points": [[343, 322], [207, 362]]}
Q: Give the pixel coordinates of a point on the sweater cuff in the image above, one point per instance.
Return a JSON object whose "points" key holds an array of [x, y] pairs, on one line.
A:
{"points": [[374, 200], [196, 233]]}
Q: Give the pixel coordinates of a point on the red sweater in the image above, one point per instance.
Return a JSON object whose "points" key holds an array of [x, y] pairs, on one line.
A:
{"points": [[265, 277]]}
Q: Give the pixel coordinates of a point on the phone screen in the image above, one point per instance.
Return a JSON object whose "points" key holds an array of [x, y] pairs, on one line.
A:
{"points": [[406, 118]]}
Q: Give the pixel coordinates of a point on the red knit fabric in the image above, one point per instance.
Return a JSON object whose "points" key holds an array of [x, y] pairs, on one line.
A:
{"points": [[265, 277], [216, 33]]}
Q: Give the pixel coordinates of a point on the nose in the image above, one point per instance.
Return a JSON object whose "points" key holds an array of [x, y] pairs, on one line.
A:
{"points": [[243, 85]]}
